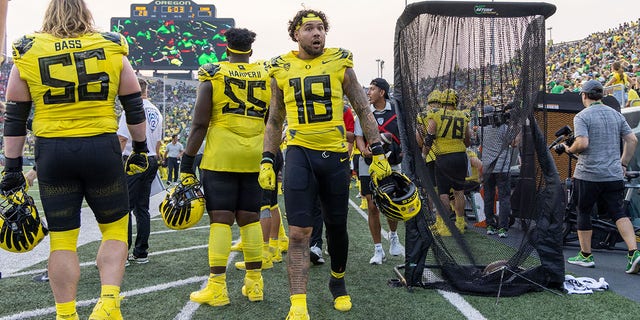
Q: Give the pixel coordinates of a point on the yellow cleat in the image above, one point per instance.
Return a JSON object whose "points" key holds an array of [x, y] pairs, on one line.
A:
{"points": [[237, 246], [363, 204], [107, 308], [73, 316], [298, 313], [214, 294], [283, 242], [441, 228], [253, 289], [276, 255], [342, 303]]}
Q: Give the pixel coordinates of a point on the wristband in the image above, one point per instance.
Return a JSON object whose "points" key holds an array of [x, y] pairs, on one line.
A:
{"points": [[13, 164], [139, 146], [268, 157], [376, 148]]}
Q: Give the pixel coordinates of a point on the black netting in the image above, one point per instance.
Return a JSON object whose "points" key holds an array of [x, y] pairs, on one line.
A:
{"points": [[491, 55]]}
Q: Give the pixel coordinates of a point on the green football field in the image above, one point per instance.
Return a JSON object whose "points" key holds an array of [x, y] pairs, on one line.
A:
{"points": [[178, 265]]}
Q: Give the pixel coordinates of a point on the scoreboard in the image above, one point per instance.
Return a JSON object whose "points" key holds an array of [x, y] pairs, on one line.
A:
{"points": [[173, 9], [173, 35]]}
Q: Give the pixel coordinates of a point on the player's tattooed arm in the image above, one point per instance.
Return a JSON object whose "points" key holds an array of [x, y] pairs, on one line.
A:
{"points": [[277, 113], [358, 100]]}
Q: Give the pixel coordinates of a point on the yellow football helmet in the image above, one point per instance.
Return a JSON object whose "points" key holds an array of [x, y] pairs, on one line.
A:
{"points": [[434, 96], [396, 196], [21, 228], [449, 97], [184, 205]]}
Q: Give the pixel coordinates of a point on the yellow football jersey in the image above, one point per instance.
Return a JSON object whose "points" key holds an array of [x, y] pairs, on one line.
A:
{"points": [[73, 82], [241, 95], [451, 128], [313, 98]]}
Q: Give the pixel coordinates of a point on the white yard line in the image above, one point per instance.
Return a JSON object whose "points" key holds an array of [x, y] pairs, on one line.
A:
{"points": [[455, 299]]}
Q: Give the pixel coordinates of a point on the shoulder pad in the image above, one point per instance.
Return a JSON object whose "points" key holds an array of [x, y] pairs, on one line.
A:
{"points": [[345, 54], [207, 71], [22, 45], [118, 39]]}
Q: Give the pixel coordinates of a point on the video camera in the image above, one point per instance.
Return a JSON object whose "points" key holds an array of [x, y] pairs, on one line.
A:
{"points": [[564, 134], [497, 117]]}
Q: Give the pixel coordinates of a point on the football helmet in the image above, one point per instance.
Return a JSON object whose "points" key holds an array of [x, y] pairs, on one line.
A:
{"points": [[396, 196], [434, 96], [449, 97], [21, 228], [184, 205]]}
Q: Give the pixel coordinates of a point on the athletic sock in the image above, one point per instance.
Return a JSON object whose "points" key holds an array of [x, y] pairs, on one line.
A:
{"points": [[584, 254]]}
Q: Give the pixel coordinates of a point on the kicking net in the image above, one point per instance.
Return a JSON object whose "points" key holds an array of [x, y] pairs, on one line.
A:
{"points": [[480, 66]]}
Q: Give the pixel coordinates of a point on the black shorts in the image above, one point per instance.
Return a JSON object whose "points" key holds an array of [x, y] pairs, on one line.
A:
{"points": [[70, 169], [451, 171], [310, 174], [231, 191], [609, 193], [431, 170]]}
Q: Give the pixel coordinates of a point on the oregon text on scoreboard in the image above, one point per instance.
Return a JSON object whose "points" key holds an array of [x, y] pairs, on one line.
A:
{"points": [[173, 35]]}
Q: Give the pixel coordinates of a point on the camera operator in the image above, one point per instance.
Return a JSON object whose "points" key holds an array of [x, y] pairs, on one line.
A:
{"points": [[600, 171]]}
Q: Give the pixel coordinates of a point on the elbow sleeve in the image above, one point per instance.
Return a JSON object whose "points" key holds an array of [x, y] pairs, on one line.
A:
{"points": [[15, 119], [133, 108]]}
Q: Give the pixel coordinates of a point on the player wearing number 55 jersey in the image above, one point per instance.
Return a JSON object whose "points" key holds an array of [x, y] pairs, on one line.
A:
{"points": [[448, 135], [72, 74], [230, 109], [307, 88]]}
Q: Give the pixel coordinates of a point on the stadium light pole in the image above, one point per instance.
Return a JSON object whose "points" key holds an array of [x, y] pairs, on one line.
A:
{"points": [[550, 37], [378, 66], [381, 68]]}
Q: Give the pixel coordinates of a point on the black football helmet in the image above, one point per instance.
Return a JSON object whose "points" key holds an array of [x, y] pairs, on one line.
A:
{"points": [[396, 196], [184, 205], [21, 228]]}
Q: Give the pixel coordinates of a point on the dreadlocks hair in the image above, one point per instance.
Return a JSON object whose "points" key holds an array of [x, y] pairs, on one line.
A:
{"points": [[240, 38], [297, 21]]}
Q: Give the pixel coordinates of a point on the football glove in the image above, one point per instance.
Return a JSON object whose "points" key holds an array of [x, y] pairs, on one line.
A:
{"points": [[138, 161], [267, 176], [379, 168], [12, 176], [188, 179]]}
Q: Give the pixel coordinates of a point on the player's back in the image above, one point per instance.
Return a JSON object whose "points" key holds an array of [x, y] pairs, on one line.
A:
{"points": [[73, 82], [240, 98], [451, 127]]}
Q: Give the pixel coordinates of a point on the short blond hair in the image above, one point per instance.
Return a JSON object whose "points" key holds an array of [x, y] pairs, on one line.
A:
{"points": [[68, 19]]}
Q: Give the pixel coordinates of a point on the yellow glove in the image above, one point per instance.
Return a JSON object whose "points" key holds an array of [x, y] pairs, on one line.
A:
{"points": [[187, 179], [379, 168], [267, 177]]}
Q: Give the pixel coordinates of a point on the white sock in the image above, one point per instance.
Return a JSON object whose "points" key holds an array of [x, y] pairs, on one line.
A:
{"points": [[393, 234], [378, 246]]}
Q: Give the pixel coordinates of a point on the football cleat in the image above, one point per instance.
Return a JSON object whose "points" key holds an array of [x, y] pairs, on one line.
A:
{"points": [[214, 294], [107, 309], [298, 313], [342, 303], [253, 288]]}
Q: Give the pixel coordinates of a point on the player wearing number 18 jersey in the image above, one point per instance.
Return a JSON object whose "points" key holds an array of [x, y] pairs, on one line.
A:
{"points": [[307, 88], [72, 74], [231, 104]]}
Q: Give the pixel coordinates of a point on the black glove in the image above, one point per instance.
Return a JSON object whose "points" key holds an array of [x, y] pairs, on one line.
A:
{"points": [[559, 148], [12, 176], [186, 165], [138, 161]]}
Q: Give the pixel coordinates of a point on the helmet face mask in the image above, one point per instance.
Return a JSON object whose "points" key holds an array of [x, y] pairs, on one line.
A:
{"points": [[396, 197], [21, 228], [183, 206]]}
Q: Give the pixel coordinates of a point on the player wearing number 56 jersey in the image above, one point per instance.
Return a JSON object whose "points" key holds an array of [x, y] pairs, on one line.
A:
{"points": [[230, 108], [307, 88], [448, 135], [72, 74]]}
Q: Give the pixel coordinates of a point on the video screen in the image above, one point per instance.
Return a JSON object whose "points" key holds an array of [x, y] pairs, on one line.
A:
{"points": [[173, 44]]}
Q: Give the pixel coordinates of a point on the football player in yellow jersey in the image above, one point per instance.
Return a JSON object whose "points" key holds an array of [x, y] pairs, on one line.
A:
{"points": [[307, 88], [72, 74], [231, 105], [448, 134]]}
